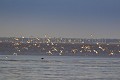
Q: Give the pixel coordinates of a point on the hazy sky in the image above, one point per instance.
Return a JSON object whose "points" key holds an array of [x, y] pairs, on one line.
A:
{"points": [[60, 18]]}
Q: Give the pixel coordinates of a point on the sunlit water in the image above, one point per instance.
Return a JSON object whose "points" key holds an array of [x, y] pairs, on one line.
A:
{"points": [[58, 68]]}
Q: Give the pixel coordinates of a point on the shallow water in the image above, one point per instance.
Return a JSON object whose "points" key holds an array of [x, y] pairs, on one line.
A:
{"points": [[58, 68]]}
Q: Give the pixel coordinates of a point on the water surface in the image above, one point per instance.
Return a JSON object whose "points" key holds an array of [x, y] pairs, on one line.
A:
{"points": [[58, 68]]}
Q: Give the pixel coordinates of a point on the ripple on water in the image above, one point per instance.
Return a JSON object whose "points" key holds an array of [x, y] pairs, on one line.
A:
{"points": [[59, 68]]}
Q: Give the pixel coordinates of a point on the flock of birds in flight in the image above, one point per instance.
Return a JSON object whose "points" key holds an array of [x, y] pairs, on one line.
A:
{"points": [[51, 48]]}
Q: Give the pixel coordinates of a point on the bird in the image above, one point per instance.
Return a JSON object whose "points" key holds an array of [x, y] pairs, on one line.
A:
{"points": [[42, 58]]}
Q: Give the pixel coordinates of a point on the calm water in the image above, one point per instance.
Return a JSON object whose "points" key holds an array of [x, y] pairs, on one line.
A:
{"points": [[58, 68]]}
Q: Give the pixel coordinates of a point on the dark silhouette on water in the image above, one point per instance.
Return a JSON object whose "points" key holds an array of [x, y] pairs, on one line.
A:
{"points": [[42, 58]]}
